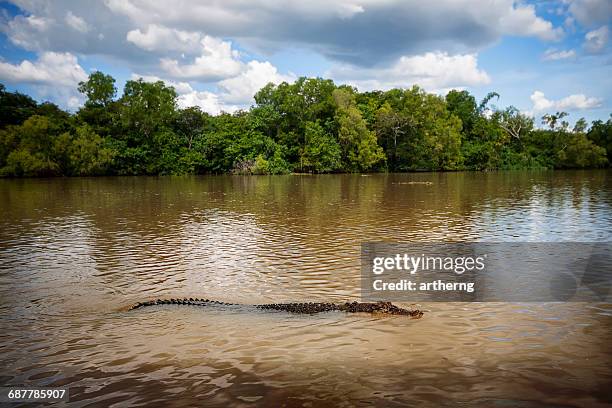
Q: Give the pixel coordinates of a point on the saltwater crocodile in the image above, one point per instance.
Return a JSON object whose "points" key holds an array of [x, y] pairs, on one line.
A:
{"points": [[301, 308]]}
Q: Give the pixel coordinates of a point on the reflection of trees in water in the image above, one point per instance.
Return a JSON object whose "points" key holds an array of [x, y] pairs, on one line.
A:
{"points": [[306, 222], [309, 200]]}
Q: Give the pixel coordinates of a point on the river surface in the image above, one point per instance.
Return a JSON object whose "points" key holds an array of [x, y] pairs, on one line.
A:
{"points": [[74, 253]]}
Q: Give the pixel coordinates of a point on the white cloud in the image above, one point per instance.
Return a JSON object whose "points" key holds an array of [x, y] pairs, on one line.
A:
{"points": [[26, 32], [76, 22], [217, 61], [371, 43], [591, 12], [572, 102], [522, 20], [187, 96], [355, 31], [596, 40], [240, 89], [233, 93], [207, 101], [159, 38], [434, 71], [52, 68], [179, 87], [540, 103], [143, 11], [570, 24], [54, 75], [552, 54], [38, 23], [79, 27]]}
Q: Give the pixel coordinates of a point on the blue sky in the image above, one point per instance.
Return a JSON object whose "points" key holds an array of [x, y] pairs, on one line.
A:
{"points": [[541, 57]]}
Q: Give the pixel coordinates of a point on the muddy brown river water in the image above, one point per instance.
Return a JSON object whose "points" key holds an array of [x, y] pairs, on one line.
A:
{"points": [[75, 252]]}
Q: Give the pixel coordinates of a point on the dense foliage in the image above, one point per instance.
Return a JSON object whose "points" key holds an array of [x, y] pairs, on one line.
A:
{"points": [[311, 125]]}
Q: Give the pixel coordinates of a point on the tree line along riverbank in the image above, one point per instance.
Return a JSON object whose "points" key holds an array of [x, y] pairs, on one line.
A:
{"points": [[309, 126]]}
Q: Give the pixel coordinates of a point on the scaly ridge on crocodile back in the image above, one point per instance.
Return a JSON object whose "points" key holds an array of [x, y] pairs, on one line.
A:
{"points": [[386, 308]]}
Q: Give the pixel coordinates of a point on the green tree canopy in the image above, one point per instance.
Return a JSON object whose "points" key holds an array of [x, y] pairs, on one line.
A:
{"points": [[309, 125], [360, 150], [99, 88]]}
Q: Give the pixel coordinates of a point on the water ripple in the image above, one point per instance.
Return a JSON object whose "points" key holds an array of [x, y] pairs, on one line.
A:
{"points": [[73, 252]]}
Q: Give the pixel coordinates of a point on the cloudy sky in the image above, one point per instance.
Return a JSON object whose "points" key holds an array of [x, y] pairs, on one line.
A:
{"points": [[540, 56]]}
